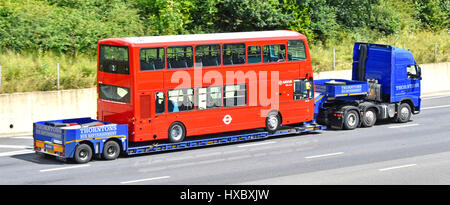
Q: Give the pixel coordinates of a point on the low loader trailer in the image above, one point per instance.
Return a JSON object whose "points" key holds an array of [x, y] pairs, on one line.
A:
{"points": [[385, 85]]}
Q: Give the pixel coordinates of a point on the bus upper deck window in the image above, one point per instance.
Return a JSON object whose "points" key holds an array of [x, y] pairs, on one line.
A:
{"points": [[152, 58], [233, 54], [180, 57], [296, 50], [274, 53], [114, 59]]}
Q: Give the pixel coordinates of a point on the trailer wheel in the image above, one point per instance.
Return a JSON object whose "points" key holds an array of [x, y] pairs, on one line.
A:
{"points": [[83, 154], [111, 150], [273, 122], [404, 113], [177, 132], [351, 120], [369, 118]]}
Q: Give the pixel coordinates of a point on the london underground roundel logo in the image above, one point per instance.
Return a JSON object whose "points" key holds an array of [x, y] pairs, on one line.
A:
{"points": [[227, 119]]}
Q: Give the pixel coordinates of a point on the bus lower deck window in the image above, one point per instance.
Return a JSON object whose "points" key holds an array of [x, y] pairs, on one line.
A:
{"points": [[235, 95], [181, 100]]}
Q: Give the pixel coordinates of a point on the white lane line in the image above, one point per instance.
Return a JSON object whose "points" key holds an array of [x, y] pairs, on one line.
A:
{"points": [[256, 144], [142, 180], [401, 126], [7, 154], [16, 146], [324, 155], [23, 137], [64, 168], [434, 97], [434, 107], [396, 167]]}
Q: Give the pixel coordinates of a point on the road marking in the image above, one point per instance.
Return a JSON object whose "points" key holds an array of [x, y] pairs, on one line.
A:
{"points": [[142, 180], [16, 146], [434, 107], [23, 137], [7, 154], [324, 155], [396, 167], [429, 98], [401, 126], [64, 168], [256, 144]]}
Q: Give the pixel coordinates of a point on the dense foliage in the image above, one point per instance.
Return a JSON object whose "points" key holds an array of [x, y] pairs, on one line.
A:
{"points": [[73, 26], [33, 33]]}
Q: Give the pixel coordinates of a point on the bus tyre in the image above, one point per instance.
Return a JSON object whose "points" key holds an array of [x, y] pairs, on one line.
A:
{"points": [[369, 118], [177, 132], [273, 122], [111, 150], [83, 154], [351, 120], [404, 113]]}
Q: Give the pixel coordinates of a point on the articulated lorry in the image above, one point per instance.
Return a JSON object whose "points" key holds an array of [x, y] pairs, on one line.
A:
{"points": [[385, 85]]}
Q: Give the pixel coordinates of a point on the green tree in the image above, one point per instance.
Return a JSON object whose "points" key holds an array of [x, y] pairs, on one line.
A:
{"points": [[251, 15]]}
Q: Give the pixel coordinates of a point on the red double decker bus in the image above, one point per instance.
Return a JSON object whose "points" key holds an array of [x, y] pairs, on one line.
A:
{"points": [[172, 87]]}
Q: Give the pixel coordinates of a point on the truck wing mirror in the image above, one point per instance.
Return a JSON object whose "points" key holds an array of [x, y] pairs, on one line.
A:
{"points": [[418, 72]]}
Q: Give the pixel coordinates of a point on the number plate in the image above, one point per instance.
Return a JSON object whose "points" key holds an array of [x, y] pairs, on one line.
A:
{"points": [[48, 147]]}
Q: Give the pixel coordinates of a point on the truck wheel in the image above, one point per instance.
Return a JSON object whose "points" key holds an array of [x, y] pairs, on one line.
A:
{"points": [[351, 120], [273, 122], [83, 154], [111, 150], [404, 113], [177, 132], [369, 118]]}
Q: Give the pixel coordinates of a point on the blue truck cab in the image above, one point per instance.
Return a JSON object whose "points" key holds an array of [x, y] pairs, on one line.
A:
{"points": [[385, 85]]}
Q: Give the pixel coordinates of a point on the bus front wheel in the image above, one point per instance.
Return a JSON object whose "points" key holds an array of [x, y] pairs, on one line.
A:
{"points": [[273, 122]]}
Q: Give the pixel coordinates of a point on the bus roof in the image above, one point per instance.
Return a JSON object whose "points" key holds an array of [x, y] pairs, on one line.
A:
{"points": [[278, 34]]}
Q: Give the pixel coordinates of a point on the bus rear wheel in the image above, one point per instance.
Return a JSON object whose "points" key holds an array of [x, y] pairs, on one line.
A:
{"points": [[177, 132]]}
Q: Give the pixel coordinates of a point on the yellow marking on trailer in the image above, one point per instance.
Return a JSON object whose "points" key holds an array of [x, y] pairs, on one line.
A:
{"points": [[117, 136], [359, 93], [340, 95]]}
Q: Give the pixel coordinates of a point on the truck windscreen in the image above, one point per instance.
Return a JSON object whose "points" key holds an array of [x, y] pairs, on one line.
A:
{"points": [[114, 59], [114, 93]]}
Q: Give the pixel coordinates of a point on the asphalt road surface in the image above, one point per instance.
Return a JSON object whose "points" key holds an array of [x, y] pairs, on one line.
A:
{"points": [[417, 152]]}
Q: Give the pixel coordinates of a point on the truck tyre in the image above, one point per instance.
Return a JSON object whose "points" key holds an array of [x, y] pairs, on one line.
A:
{"points": [[351, 120], [369, 118], [403, 113], [273, 122], [177, 132], [111, 150], [83, 154]]}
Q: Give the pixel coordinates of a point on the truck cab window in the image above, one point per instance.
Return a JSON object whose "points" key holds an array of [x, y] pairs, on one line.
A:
{"points": [[411, 71]]}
